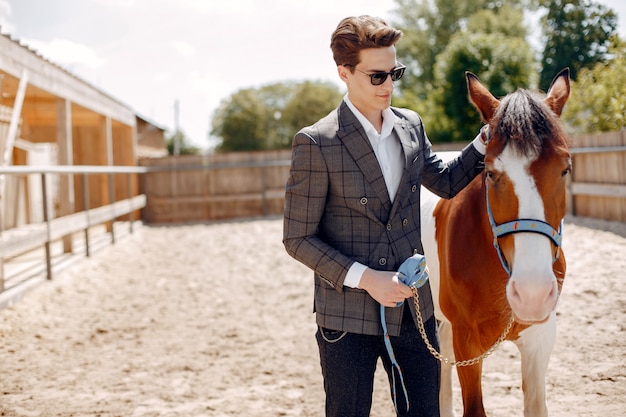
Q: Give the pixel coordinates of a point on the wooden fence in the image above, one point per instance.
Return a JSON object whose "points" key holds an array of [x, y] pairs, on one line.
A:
{"points": [[598, 185], [215, 187], [247, 184]]}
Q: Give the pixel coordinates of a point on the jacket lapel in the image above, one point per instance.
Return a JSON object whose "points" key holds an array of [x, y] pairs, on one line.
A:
{"points": [[401, 129], [355, 140]]}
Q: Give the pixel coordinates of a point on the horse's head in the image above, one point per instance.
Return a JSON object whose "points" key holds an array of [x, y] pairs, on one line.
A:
{"points": [[526, 162]]}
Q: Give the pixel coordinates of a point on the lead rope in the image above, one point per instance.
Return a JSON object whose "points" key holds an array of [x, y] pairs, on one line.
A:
{"points": [[395, 367], [439, 356], [412, 272]]}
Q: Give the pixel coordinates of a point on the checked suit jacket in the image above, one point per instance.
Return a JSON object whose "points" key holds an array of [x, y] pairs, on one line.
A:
{"points": [[338, 211]]}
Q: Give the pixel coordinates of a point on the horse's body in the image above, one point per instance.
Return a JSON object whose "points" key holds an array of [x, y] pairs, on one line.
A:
{"points": [[525, 167]]}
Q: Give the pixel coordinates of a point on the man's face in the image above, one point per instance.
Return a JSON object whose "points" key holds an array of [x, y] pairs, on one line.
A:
{"points": [[370, 99]]}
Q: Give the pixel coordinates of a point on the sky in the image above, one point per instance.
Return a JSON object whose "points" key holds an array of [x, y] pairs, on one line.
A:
{"points": [[151, 54]]}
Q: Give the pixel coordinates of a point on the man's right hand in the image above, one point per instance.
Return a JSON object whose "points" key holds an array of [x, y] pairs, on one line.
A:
{"points": [[385, 287]]}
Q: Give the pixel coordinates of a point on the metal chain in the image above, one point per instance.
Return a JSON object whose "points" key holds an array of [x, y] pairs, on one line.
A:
{"points": [[439, 356]]}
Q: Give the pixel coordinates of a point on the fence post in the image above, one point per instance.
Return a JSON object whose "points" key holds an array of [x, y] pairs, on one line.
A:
{"points": [[112, 201], [86, 208], [131, 216], [46, 218], [264, 185], [570, 202]]}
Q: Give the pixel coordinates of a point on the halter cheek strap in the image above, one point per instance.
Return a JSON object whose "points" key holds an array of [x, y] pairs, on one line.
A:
{"points": [[521, 225]]}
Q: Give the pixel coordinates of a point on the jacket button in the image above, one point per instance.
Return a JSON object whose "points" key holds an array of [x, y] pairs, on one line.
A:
{"points": [[388, 226], [405, 222], [414, 188], [363, 201], [415, 252], [382, 261]]}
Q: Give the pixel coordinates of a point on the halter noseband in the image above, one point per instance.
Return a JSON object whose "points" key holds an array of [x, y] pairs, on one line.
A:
{"points": [[521, 225]]}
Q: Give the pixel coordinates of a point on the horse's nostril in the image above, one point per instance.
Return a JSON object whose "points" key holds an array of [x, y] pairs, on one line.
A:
{"points": [[554, 293], [514, 293]]}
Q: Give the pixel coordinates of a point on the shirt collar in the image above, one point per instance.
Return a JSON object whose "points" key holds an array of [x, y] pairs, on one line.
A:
{"points": [[389, 119]]}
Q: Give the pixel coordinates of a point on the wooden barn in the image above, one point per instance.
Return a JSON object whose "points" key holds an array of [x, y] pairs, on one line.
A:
{"points": [[48, 116]]}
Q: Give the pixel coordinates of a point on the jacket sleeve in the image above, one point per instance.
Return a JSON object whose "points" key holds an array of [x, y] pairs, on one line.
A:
{"points": [[305, 198], [448, 179]]}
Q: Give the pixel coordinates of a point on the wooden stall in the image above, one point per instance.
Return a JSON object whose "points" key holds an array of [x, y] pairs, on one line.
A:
{"points": [[68, 157], [51, 117]]}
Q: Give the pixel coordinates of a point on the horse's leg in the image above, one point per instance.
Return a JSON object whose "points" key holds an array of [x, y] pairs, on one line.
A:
{"points": [[535, 345], [446, 404], [470, 377]]}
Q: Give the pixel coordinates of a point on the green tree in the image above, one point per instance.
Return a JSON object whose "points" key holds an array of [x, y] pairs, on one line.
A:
{"points": [[269, 116], [598, 97], [576, 34], [491, 43], [240, 122], [180, 140], [311, 102], [429, 25], [502, 63]]}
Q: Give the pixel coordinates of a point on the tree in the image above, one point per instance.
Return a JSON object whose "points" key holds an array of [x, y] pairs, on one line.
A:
{"points": [[429, 25], [311, 102], [502, 63], [577, 35], [491, 43], [598, 97], [239, 121], [269, 116], [184, 146]]}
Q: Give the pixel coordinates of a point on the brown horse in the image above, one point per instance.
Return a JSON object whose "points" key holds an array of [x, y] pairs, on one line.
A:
{"points": [[496, 266]]}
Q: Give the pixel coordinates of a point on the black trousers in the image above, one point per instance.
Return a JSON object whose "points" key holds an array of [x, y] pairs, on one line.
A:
{"points": [[349, 361]]}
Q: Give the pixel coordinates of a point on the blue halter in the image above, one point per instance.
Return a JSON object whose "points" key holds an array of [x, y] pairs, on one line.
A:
{"points": [[521, 225]]}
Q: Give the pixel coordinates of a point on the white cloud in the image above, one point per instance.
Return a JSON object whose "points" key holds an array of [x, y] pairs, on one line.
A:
{"points": [[224, 7], [5, 17], [67, 53], [184, 49]]}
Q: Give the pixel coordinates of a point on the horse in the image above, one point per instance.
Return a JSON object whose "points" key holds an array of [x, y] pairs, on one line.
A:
{"points": [[494, 250]]}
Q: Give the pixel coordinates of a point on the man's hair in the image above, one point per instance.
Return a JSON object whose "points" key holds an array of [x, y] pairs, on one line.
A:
{"points": [[356, 33]]}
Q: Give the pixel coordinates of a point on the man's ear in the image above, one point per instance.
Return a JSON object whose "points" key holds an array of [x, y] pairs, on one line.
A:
{"points": [[342, 70]]}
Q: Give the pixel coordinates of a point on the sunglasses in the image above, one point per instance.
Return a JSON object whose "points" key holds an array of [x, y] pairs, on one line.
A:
{"points": [[379, 77]]}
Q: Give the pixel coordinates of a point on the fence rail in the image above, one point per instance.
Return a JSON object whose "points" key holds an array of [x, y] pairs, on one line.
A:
{"points": [[17, 241]]}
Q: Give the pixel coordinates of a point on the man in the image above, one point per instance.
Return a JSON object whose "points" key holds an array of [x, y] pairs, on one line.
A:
{"points": [[352, 215]]}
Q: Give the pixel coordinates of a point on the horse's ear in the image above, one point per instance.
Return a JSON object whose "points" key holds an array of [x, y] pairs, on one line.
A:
{"points": [[481, 98], [559, 92]]}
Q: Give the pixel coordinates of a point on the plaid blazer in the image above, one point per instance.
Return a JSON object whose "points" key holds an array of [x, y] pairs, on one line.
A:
{"points": [[338, 211]]}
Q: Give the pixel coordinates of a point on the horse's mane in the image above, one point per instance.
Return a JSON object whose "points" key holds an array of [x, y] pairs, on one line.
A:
{"points": [[527, 123]]}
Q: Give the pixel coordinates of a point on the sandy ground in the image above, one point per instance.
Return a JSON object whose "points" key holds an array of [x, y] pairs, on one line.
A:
{"points": [[215, 320]]}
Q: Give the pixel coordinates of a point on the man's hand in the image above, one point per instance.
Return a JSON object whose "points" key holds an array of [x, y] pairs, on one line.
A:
{"points": [[385, 287]]}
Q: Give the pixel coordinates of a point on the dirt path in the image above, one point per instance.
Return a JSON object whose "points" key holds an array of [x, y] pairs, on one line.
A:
{"points": [[215, 320]]}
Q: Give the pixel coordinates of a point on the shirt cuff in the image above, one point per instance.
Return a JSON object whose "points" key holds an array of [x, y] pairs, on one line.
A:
{"points": [[479, 145], [353, 277]]}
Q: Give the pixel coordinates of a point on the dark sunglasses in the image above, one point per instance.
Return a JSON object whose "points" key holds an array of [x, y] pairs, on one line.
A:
{"points": [[379, 77]]}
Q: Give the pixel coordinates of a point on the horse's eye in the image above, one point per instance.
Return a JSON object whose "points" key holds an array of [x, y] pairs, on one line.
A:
{"points": [[490, 175], [567, 171]]}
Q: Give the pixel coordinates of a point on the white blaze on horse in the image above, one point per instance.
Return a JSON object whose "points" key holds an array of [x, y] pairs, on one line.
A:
{"points": [[494, 254]]}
